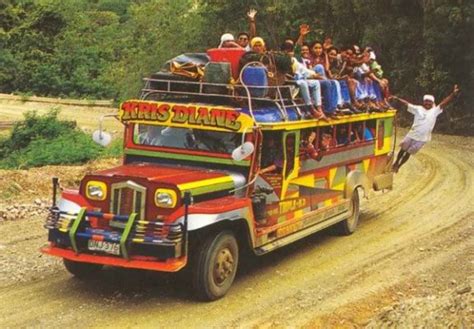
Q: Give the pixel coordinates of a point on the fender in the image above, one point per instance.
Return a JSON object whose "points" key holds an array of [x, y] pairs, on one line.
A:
{"points": [[71, 201], [198, 221], [354, 179]]}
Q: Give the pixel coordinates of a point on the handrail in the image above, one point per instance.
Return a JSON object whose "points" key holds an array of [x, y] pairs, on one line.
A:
{"points": [[149, 90]]}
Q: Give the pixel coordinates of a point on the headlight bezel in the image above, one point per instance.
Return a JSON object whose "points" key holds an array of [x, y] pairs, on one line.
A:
{"points": [[173, 197], [101, 186]]}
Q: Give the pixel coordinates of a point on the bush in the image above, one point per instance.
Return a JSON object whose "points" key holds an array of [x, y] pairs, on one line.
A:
{"points": [[45, 140], [35, 127]]}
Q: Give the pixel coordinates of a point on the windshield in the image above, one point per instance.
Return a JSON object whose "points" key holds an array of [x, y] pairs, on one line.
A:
{"points": [[186, 138]]}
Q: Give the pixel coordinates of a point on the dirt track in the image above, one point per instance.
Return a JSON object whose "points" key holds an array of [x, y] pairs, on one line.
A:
{"points": [[415, 241]]}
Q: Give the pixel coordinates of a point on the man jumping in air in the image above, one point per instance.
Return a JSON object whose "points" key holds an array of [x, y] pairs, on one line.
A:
{"points": [[423, 123]]}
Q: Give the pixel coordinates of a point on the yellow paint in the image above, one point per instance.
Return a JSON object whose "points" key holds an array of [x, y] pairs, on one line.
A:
{"points": [[303, 124], [299, 214], [332, 174], [366, 164], [307, 181], [171, 193], [205, 182], [387, 141], [98, 184]]}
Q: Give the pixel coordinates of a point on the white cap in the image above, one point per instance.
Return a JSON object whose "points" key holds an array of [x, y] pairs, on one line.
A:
{"points": [[429, 98], [226, 37], [372, 55]]}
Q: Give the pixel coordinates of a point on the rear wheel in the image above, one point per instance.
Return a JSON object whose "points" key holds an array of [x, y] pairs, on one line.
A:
{"points": [[81, 270], [216, 266], [349, 225]]}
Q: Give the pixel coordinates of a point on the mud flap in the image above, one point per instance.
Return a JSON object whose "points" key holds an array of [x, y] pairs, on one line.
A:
{"points": [[383, 181]]}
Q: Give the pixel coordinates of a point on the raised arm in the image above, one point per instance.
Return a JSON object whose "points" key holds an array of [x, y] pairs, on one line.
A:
{"points": [[304, 30], [401, 100], [449, 98], [252, 26]]}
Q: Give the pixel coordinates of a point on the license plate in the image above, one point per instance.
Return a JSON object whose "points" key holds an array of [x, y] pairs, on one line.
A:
{"points": [[108, 247]]}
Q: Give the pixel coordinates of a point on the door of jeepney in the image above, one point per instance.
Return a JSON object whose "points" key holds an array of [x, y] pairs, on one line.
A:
{"points": [[280, 149]]}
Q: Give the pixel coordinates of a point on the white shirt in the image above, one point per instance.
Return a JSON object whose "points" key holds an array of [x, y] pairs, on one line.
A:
{"points": [[423, 122], [300, 70]]}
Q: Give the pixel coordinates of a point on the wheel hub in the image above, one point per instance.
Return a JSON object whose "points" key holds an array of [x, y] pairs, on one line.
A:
{"points": [[224, 266]]}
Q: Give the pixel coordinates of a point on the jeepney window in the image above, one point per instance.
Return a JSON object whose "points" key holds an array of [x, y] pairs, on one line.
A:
{"points": [[272, 153], [186, 138], [357, 132], [342, 134], [326, 138], [369, 132]]}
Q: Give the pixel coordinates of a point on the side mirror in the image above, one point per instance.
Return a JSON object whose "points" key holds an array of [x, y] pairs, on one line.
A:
{"points": [[243, 151], [101, 137]]}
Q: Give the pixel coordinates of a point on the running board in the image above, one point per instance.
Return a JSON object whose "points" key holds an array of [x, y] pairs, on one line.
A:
{"points": [[301, 234]]}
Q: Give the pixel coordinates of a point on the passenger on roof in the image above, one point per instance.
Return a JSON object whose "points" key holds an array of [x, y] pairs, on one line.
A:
{"points": [[243, 39], [365, 88], [380, 83], [319, 62], [305, 79], [327, 44], [337, 67], [227, 41], [258, 45]]}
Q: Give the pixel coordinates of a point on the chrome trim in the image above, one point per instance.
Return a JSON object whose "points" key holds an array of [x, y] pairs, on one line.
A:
{"points": [[136, 188]]}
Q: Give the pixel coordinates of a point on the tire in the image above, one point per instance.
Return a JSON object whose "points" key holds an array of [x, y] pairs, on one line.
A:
{"points": [[349, 225], [82, 270], [215, 266]]}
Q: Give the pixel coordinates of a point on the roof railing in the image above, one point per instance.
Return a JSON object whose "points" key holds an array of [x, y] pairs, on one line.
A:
{"points": [[281, 96]]}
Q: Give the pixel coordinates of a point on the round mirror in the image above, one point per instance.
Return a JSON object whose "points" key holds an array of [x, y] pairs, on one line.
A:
{"points": [[101, 137], [243, 151]]}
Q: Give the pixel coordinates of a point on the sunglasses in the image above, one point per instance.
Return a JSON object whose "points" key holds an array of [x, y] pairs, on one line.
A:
{"points": [[243, 38]]}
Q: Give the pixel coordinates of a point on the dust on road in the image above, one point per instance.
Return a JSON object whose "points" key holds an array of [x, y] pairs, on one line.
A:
{"points": [[414, 246]]}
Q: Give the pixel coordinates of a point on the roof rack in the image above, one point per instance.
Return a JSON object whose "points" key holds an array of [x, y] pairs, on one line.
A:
{"points": [[281, 96]]}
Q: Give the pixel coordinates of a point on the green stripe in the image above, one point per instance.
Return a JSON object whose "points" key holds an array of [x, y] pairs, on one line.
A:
{"points": [[74, 228], [126, 232], [156, 154], [388, 127]]}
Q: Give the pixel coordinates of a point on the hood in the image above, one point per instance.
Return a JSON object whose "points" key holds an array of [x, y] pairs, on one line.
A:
{"points": [[196, 181]]}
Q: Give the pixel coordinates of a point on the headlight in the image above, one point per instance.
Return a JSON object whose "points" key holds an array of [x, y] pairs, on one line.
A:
{"points": [[96, 190], [165, 198]]}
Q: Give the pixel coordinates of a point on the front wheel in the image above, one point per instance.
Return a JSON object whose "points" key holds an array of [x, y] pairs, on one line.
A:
{"points": [[81, 270], [216, 266], [349, 225]]}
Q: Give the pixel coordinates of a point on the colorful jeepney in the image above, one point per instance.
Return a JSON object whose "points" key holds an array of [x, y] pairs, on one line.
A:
{"points": [[191, 192]]}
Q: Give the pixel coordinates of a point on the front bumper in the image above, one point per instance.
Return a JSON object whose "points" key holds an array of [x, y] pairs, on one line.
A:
{"points": [[170, 265], [141, 244]]}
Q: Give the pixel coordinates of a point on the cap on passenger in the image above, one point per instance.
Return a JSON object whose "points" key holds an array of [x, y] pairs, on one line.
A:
{"points": [[257, 41], [429, 98], [226, 37]]}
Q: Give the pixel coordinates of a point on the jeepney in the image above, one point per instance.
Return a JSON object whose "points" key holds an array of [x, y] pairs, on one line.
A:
{"points": [[191, 192]]}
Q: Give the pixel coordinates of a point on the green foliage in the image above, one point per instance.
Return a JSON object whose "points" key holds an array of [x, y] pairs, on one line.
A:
{"points": [[45, 140], [103, 48], [114, 150], [35, 127]]}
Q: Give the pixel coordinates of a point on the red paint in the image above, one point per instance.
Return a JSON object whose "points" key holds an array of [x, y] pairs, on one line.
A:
{"points": [[144, 263]]}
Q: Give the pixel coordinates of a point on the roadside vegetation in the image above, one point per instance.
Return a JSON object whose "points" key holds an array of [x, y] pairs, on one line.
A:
{"points": [[102, 49], [45, 140]]}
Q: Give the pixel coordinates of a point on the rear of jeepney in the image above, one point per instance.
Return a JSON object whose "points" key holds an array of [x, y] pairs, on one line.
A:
{"points": [[136, 215]]}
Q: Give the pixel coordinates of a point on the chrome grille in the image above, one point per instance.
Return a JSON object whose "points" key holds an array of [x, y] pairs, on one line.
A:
{"points": [[128, 197]]}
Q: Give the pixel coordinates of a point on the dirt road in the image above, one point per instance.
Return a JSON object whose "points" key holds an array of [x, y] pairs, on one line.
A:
{"points": [[413, 251]]}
